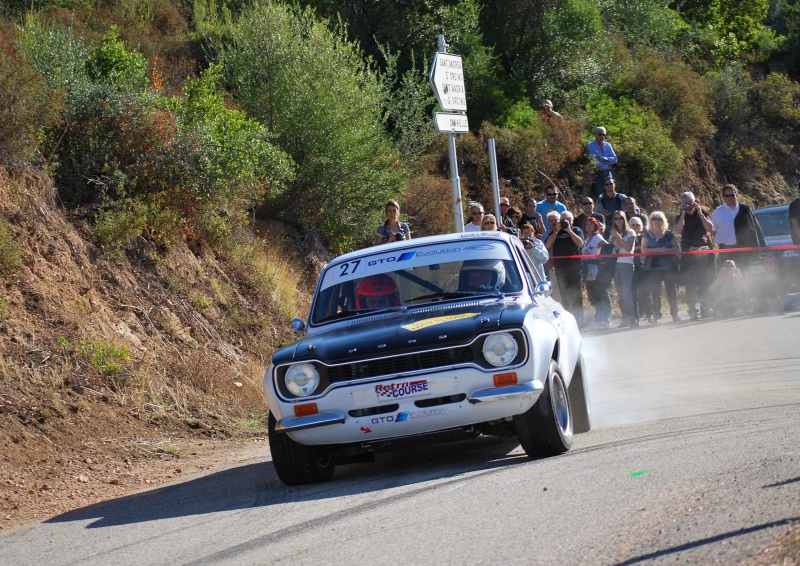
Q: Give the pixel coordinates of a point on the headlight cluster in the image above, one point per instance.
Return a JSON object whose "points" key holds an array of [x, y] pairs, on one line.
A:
{"points": [[500, 349], [301, 379]]}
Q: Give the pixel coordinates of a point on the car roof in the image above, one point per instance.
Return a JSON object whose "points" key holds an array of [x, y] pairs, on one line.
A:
{"points": [[772, 208], [416, 242]]}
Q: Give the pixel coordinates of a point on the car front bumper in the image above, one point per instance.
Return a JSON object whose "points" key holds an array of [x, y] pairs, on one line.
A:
{"points": [[405, 406]]}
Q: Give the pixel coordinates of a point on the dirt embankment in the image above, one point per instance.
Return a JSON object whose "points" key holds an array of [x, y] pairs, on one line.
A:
{"points": [[123, 370]]}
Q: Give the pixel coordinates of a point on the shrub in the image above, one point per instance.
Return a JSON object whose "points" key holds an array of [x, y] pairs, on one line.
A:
{"points": [[325, 105], [641, 140]]}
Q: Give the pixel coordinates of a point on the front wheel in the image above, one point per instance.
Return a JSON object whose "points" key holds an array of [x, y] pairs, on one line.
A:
{"points": [[295, 463], [546, 428]]}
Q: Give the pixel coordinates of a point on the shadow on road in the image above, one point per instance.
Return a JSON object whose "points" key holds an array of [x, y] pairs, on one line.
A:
{"points": [[257, 485], [709, 540]]}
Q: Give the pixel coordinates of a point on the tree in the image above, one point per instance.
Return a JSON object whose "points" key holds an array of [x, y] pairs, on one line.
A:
{"points": [[325, 106]]}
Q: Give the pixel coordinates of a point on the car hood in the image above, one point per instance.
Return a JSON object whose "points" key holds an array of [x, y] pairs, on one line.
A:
{"points": [[398, 332], [779, 240]]}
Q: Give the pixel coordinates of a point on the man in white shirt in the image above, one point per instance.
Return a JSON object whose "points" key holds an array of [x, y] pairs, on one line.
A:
{"points": [[735, 226], [476, 212], [722, 218]]}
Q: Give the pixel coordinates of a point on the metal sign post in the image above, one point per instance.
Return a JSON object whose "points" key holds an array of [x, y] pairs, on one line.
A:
{"points": [[495, 180], [447, 81]]}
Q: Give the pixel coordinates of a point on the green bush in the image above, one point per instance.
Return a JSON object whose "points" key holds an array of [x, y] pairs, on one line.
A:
{"points": [[325, 105], [647, 155]]}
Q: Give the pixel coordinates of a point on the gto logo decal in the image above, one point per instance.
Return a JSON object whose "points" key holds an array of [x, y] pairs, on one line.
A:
{"points": [[403, 417], [403, 389]]}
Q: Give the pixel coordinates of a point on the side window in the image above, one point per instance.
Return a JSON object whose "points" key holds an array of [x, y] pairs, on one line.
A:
{"points": [[527, 268]]}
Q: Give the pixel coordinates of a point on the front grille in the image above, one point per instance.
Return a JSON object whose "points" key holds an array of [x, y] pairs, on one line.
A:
{"points": [[401, 364]]}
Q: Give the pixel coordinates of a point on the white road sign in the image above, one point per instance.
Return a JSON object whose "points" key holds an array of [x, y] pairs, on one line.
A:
{"points": [[451, 122], [447, 80]]}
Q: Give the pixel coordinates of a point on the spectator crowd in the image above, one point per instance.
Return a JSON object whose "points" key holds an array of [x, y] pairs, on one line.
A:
{"points": [[613, 243]]}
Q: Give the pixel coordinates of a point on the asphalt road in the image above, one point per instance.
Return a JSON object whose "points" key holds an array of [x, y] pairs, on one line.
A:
{"points": [[694, 459]]}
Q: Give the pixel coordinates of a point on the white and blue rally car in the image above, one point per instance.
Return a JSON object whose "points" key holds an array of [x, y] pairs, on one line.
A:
{"points": [[425, 339]]}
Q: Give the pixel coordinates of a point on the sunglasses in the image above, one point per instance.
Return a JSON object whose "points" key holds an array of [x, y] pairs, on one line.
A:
{"points": [[477, 213], [618, 218], [608, 184], [488, 223], [502, 204], [552, 194], [588, 202], [516, 216], [728, 195], [601, 135], [656, 220]]}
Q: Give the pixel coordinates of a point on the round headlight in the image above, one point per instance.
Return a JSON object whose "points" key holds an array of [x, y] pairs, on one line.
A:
{"points": [[500, 349], [301, 379]]}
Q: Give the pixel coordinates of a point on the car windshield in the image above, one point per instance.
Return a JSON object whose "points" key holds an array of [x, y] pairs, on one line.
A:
{"points": [[394, 280], [774, 223]]}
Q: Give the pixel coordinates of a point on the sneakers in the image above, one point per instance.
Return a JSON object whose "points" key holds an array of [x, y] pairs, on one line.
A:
{"points": [[675, 317], [693, 314]]}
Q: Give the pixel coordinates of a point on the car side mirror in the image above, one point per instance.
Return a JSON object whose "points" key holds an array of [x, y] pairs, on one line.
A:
{"points": [[298, 327], [544, 289]]}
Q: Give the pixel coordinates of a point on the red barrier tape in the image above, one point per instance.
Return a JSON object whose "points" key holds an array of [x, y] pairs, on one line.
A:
{"points": [[695, 252]]}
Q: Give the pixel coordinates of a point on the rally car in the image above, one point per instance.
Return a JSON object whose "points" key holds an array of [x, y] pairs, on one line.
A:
{"points": [[423, 340]]}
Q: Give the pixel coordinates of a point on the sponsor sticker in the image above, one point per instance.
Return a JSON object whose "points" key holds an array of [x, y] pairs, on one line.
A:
{"points": [[404, 416], [402, 390], [437, 320]]}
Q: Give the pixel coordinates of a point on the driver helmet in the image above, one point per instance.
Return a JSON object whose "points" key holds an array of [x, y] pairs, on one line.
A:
{"points": [[377, 291], [482, 275]]}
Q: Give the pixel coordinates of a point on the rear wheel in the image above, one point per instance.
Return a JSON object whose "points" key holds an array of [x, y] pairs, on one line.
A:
{"points": [[295, 463], [546, 428]]}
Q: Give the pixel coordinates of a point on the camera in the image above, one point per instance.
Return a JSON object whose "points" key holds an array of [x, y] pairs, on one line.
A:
{"points": [[564, 224], [527, 242], [687, 206], [399, 237]]}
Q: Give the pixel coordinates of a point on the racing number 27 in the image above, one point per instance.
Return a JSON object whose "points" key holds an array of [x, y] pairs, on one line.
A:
{"points": [[349, 268]]}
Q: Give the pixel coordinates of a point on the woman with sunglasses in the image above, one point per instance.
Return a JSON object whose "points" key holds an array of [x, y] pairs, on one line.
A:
{"points": [[489, 222], [624, 240], [659, 266]]}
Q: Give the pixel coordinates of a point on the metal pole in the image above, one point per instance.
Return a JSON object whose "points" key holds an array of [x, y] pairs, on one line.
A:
{"points": [[455, 181], [495, 181], [455, 184]]}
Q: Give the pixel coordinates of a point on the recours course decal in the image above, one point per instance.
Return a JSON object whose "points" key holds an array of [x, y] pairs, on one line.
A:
{"points": [[405, 389]]}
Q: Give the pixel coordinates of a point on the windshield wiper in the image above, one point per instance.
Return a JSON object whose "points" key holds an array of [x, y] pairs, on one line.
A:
{"points": [[445, 295]]}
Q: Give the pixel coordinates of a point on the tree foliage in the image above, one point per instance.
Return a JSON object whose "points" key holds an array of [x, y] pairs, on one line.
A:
{"points": [[325, 105]]}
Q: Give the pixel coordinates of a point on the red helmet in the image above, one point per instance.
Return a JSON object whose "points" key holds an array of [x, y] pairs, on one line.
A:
{"points": [[377, 286]]}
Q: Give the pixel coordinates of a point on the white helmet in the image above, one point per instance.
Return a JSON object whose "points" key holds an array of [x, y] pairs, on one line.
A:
{"points": [[482, 275]]}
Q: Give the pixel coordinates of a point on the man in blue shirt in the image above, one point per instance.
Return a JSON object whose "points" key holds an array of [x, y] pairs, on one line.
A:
{"points": [[603, 156], [550, 201]]}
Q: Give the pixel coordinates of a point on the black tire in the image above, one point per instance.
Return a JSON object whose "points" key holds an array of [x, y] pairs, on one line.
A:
{"points": [[295, 463], [579, 399], [546, 428]]}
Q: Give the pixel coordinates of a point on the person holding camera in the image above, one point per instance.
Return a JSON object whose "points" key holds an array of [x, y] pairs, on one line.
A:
{"points": [[693, 224], [535, 248], [392, 230], [598, 278], [564, 242]]}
